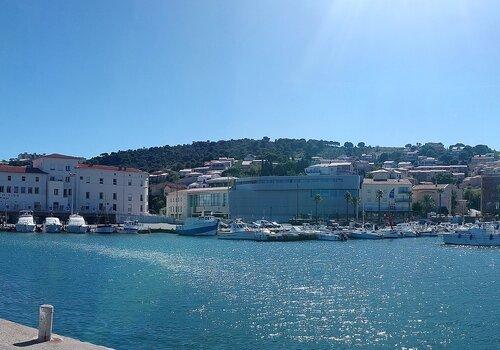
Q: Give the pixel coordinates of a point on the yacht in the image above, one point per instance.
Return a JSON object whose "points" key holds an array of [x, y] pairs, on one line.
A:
{"points": [[25, 223], [487, 234], [76, 224], [240, 231], [130, 226], [105, 228], [365, 234], [325, 234], [199, 226], [389, 232], [52, 225], [406, 230]]}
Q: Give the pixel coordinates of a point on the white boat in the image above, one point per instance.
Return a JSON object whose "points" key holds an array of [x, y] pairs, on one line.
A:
{"points": [[389, 233], [325, 236], [52, 225], [130, 226], [240, 231], [481, 235], [365, 234], [406, 230], [199, 226], [76, 224], [25, 223]]}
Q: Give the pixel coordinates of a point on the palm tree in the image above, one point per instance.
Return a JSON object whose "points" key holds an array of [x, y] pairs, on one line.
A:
{"points": [[317, 200], [440, 192], [348, 198], [410, 196], [427, 203], [355, 201], [379, 196]]}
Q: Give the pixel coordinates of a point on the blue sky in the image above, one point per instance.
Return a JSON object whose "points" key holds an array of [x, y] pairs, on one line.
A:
{"points": [[85, 77]]}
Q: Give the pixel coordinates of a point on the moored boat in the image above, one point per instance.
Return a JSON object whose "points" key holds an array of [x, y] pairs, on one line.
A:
{"points": [[52, 224], [364, 234], [76, 224], [481, 235], [26, 222], [199, 226], [240, 231], [130, 226]]}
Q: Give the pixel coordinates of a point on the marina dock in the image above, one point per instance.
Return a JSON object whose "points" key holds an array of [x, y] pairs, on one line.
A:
{"points": [[15, 336]]}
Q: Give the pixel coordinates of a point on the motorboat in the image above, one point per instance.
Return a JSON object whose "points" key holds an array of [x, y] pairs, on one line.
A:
{"points": [[199, 226], [52, 224], [76, 224], [326, 234], [486, 234], [26, 222], [240, 231], [389, 232], [130, 226], [406, 230], [365, 234]]}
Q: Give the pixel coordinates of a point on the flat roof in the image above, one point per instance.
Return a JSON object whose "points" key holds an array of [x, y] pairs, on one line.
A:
{"points": [[109, 168]]}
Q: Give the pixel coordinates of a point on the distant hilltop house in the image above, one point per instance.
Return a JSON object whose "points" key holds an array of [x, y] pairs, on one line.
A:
{"points": [[60, 184]]}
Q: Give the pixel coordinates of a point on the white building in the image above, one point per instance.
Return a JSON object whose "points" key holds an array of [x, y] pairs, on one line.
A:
{"points": [[22, 188], [112, 189], [196, 201], [59, 184]]}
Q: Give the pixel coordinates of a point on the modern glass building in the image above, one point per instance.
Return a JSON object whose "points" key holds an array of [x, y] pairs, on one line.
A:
{"points": [[281, 198]]}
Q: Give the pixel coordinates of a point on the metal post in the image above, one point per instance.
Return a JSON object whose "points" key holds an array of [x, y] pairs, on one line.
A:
{"points": [[45, 319]]}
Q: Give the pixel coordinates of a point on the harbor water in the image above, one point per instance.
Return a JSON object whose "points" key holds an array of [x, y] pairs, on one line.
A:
{"points": [[163, 291]]}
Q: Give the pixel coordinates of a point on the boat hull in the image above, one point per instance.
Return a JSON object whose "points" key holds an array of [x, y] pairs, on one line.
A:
{"points": [[364, 235], [76, 229], [208, 230], [105, 229], [472, 239], [52, 228], [25, 227]]}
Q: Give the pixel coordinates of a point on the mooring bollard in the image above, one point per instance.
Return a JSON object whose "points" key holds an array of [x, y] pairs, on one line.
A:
{"points": [[45, 322]]}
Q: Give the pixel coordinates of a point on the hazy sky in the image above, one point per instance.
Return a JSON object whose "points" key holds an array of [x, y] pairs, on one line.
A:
{"points": [[85, 77]]}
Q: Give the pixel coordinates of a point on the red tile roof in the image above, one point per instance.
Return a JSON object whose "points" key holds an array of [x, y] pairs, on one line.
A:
{"points": [[108, 168], [20, 169]]}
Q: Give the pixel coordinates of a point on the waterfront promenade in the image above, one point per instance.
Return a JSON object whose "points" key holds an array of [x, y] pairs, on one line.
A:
{"points": [[14, 336]]}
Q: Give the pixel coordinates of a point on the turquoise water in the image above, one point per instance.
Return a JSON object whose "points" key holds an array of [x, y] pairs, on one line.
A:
{"points": [[163, 291]]}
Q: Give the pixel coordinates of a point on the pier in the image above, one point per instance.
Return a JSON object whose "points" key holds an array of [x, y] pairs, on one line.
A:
{"points": [[15, 336]]}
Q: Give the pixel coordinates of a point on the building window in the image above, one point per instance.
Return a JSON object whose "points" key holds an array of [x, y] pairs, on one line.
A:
{"points": [[67, 179], [56, 192], [141, 198], [114, 196], [65, 193], [23, 178], [1, 189], [30, 190], [114, 181], [87, 195], [130, 208], [101, 195], [37, 190], [23, 189], [81, 179], [141, 208], [16, 189], [8, 189], [70, 192], [68, 168], [130, 198], [101, 180], [87, 180], [114, 207], [37, 179], [101, 206], [9, 178]]}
